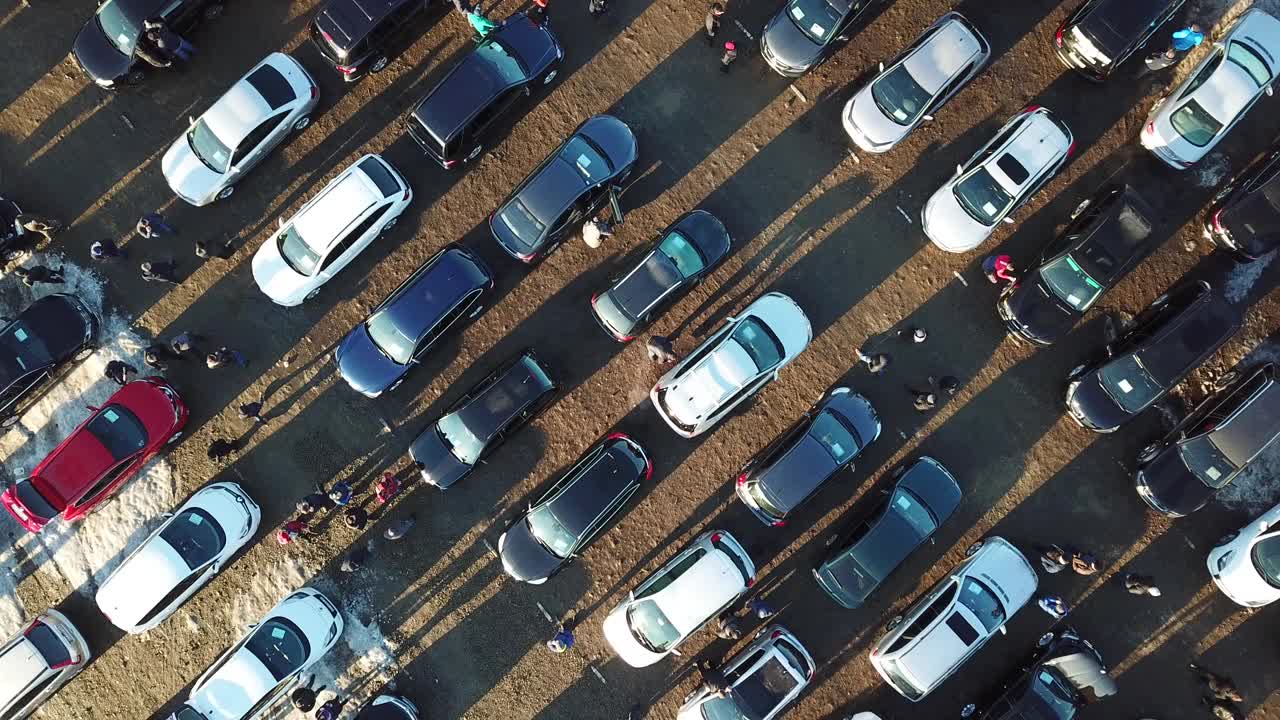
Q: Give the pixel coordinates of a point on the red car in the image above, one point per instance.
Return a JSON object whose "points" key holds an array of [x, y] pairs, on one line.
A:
{"points": [[100, 455]]}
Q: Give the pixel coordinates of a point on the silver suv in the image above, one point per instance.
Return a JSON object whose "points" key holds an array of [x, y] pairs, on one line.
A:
{"points": [[37, 661]]}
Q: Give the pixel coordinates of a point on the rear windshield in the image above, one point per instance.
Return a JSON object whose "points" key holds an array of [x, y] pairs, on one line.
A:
{"points": [[765, 689], [982, 197], [48, 644], [1195, 124], [983, 603], [386, 183], [589, 163], [119, 431], [521, 222], [272, 86], [1070, 283], [195, 536], [1207, 462], [280, 646], [756, 341], [899, 96]]}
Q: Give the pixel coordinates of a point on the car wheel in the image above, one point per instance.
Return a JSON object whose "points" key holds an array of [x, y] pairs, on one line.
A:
{"points": [[312, 294], [213, 12], [1044, 640], [1080, 208], [134, 77], [895, 622], [391, 223], [1228, 537], [831, 540], [379, 65], [225, 192], [475, 153], [968, 710], [176, 437], [9, 421], [1226, 380], [969, 551], [546, 79], [301, 123], [84, 352]]}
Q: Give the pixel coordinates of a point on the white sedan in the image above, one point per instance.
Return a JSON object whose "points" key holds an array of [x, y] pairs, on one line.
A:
{"points": [[1188, 122], [334, 227], [179, 558], [1246, 563]]}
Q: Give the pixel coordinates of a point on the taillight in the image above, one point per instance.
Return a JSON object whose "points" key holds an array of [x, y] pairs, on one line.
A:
{"points": [[778, 523], [1217, 221], [1031, 108], [751, 581], [775, 634], [315, 92], [742, 479], [346, 69], [450, 163], [648, 469], [1057, 37], [715, 537], [1071, 149], [405, 196], [1151, 128], [616, 436]]}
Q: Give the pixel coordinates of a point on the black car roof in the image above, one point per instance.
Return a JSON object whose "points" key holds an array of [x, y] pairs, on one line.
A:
{"points": [[521, 383], [435, 288], [348, 21], [1118, 238], [58, 324], [1193, 333], [469, 86], [1115, 24], [600, 479], [272, 86]]}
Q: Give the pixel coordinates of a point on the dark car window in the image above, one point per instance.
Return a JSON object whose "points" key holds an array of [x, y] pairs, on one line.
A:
{"points": [[817, 19], [927, 616], [21, 351], [1127, 381], [119, 431], [1207, 462], [1195, 124], [354, 235], [683, 254], [48, 644], [503, 60], [583, 156], [195, 536], [272, 86], [758, 342], [254, 139], [1055, 693], [280, 646], [961, 627], [840, 442], [382, 178], [33, 501], [765, 689], [1010, 166], [1071, 283], [982, 197], [666, 578], [1266, 558], [899, 96], [492, 110], [983, 603]]}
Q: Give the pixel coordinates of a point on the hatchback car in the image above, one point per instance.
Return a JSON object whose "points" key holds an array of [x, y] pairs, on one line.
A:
{"points": [[763, 680], [353, 210], [862, 557], [479, 422], [1166, 341], [567, 517], [1212, 445], [100, 455], [804, 33], [680, 258], [452, 122], [179, 558], [1063, 675], [933, 637], [1188, 122], [106, 48], [824, 441], [274, 99], [566, 189], [1099, 35], [1245, 564], [696, 585], [39, 347], [388, 707], [731, 365], [261, 669], [449, 288], [359, 37], [1108, 235], [1244, 218], [913, 87], [1024, 155], [37, 661]]}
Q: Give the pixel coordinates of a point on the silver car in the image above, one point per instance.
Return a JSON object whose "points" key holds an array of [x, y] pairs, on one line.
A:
{"points": [[916, 84], [274, 99], [36, 661], [764, 678]]}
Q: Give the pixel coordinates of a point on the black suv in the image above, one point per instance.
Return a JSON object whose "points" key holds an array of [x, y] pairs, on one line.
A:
{"points": [[1166, 341], [1101, 34], [1244, 218], [1181, 472], [451, 122], [1108, 235], [361, 36], [39, 347], [1064, 674], [107, 46]]}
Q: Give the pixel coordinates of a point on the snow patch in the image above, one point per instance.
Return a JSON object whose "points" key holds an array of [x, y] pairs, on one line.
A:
{"points": [[268, 586], [1212, 170], [1242, 277], [364, 660]]}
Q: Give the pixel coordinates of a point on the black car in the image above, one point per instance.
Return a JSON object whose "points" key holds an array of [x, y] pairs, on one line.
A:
{"points": [[1101, 34], [450, 287], [1064, 674], [106, 48], [39, 347], [861, 558], [361, 36], [824, 441], [574, 510], [479, 422], [1166, 341], [1244, 218], [566, 189], [1109, 234], [14, 238], [1180, 473], [804, 33], [453, 120], [682, 255]]}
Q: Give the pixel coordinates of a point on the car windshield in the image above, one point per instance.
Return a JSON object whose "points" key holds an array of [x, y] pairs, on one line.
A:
{"points": [[548, 531], [120, 29], [1195, 124], [388, 337], [212, 152], [899, 96], [195, 536], [462, 441], [651, 627], [756, 340], [502, 60], [815, 18], [119, 431], [907, 506], [1207, 462], [521, 222], [982, 603], [839, 442], [1128, 383], [589, 163], [296, 252], [280, 646], [1266, 559], [982, 197], [1244, 56], [22, 350], [1071, 283], [722, 708], [683, 254], [1054, 693]]}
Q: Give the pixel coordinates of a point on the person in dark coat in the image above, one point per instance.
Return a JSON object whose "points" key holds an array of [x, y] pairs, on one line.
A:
{"points": [[168, 43], [184, 343], [714, 678], [660, 350], [355, 517], [714, 11], [924, 401], [158, 272], [597, 8], [252, 411], [105, 250], [43, 226], [401, 528], [119, 372], [153, 225], [39, 274], [314, 502], [1220, 687], [157, 356], [331, 709], [729, 627], [224, 355], [1141, 585], [303, 698], [1158, 61]]}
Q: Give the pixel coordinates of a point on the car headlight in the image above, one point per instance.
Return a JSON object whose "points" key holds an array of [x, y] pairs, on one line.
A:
{"points": [[1226, 557]]}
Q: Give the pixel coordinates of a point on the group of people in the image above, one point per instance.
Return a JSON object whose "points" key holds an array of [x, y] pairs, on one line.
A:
{"points": [[159, 46], [1182, 41], [342, 497], [303, 698], [184, 345]]}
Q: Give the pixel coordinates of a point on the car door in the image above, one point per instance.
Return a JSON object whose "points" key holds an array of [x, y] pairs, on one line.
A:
{"points": [[451, 317], [257, 144], [494, 110], [182, 15], [356, 240]]}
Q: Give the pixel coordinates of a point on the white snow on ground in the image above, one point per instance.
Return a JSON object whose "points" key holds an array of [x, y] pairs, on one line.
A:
{"points": [[363, 661], [1211, 171], [270, 583], [1243, 276]]}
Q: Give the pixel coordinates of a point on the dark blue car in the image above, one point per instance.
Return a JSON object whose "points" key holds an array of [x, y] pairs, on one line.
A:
{"points": [[107, 46], [450, 287]]}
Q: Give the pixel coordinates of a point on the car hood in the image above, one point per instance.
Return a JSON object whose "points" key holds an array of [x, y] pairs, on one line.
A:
{"points": [[523, 557], [788, 45], [872, 124], [62, 323], [1038, 312], [1095, 405], [276, 279], [364, 366], [619, 637], [439, 465], [1172, 486], [187, 176], [949, 226], [235, 688], [141, 583], [95, 53], [534, 43]]}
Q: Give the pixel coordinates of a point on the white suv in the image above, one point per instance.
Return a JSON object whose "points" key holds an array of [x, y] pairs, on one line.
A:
{"points": [[36, 661], [329, 231], [696, 585], [933, 637], [1246, 563], [764, 679]]}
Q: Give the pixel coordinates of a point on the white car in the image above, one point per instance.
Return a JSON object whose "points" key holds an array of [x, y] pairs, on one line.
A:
{"points": [[933, 637], [764, 678], [274, 99], [1024, 155], [265, 664], [916, 84], [739, 359], [38, 660], [696, 585], [1246, 563], [329, 231], [179, 558], [1188, 122]]}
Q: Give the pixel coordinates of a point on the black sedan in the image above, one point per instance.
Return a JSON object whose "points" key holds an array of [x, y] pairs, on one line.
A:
{"points": [[451, 123], [106, 48], [685, 253], [482, 419], [824, 441], [574, 510], [1109, 234], [1064, 674], [1244, 218], [38, 347], [1166, 341], [1099, 35], [860, 559], [804, 33], [446, 291], [566, 189]]}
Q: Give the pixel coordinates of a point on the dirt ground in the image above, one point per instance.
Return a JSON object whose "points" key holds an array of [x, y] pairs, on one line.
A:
{"points": [[434, 613]]}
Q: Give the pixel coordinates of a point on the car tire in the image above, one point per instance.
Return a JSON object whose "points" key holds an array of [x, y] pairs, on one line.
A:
{"points": [[1226, 380], [213, 12], [134, 77], [831, 540], [10, 421], [390, 224], [1148, 453], [84, 352], [379, 65], [550, 76], [311, 295], [475, 153], [1080, 208], [225, 192], [895, 622], [1228, 538], [1044, 639], [973, 549], [302, 123]]}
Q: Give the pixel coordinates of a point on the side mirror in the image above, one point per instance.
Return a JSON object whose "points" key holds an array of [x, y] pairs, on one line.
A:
{"points": [[631, 595], [959, 169], [927, 118], [1269, 91], [676, 652], [1003, 630], [281, 222], [1263, 526], [191, 120], [91, 408], [881, 67], [1008, 220]]}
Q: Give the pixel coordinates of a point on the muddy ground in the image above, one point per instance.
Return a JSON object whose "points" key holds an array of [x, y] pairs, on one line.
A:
{"points": [[435, 614]]}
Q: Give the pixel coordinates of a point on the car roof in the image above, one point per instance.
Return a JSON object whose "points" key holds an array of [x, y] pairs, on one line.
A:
{"points": [[1254, 425], [244, 106], [1119, 235], [323, 221], [349, 21], [937, 650], [20, 665], [1192, 333], [710, 584], [1226, 93], [1115, 24], [1038, 143], [470, 85], [786, 319], [1005, 570], [935, 486], [143, 580], [237, 685], [947, 51], [56, 322], [521, 384], [441, 285], [597, 484]]}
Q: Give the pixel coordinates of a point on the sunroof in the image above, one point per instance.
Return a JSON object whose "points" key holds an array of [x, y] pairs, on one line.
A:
{"points": [[1012, 168]]}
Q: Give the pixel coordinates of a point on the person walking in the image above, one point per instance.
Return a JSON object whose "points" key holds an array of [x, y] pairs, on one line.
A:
{"points": [[998, 268], [1220, 687], [728, 627], [38, 224], [561, 641], [730, 54], [539, 14], [357, 558], [923, 401], [597, 8], [37, 274], [355, 517], [1188, 38], [106, 250], [169, 43], [713, 677], [1084, 563], [340, 494], [387, 488], [401, 528], [1054, 559], [1054, 605], [594, 231], [1158, 61], [153, 225], [120, 372], [660, 350], [1141, 585], [331, 709], [156, 356], [185, 342], [875, 363], [220, 251], [761, 609], [221, 449], [714, 11], [480, 24], [158, 272], [224, 355], [252, 411], [949, 384], [303, 698], [312, 503]]}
